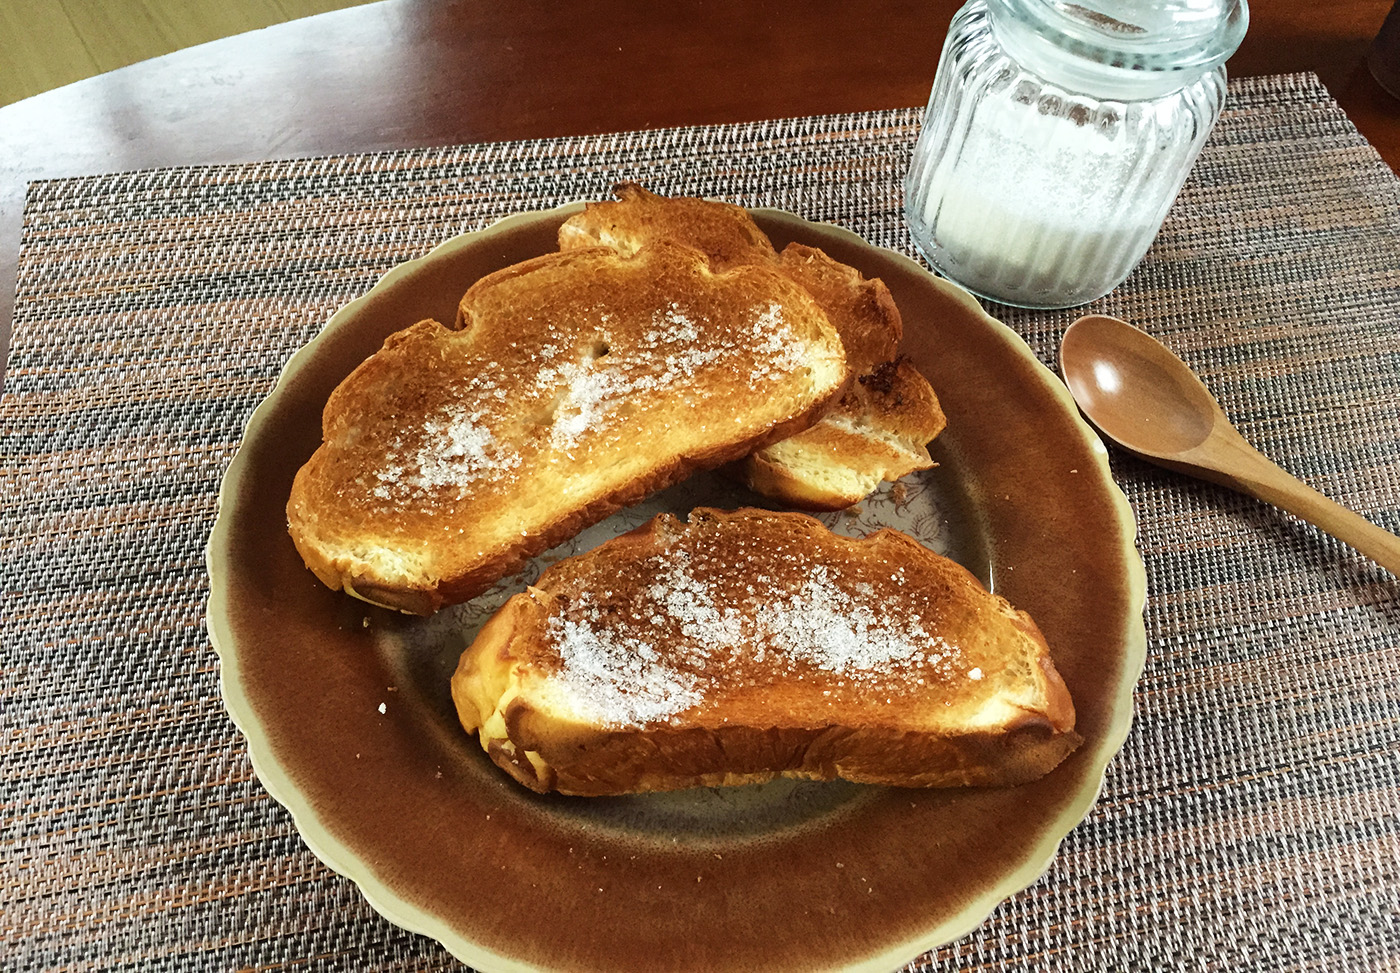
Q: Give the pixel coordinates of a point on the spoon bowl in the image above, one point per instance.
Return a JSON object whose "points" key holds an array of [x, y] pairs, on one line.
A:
{"points": [[1147, 400], [1134, 389]]}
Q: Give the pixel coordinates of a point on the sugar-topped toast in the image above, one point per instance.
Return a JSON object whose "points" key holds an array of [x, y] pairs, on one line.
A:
{"points": [[747, 645], [574, 384], [881, 428]]}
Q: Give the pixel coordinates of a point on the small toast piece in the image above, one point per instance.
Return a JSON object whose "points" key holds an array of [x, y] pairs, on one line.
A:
{"points": [[747, 645], [576, 383], [881, 428]]}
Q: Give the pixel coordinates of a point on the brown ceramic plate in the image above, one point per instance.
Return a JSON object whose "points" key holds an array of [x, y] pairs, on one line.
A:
{"points": [[349, 721]]}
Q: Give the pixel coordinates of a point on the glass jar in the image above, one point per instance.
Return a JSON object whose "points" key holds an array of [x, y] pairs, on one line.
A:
{"points": [[1057, 136]]}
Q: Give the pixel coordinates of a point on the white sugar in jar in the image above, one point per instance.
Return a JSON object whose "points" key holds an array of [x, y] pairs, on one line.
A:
{"points": [[1058, 135]]}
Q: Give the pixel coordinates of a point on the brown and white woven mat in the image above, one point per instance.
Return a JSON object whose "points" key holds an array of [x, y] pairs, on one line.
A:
{"points": [[1252, 821]]}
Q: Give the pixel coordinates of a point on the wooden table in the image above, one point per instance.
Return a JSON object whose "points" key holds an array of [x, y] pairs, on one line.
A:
{"points": [[426, 72]]}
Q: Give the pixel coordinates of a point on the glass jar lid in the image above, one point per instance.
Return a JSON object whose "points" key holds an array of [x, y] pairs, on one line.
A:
{"points": [[1120, 48]]}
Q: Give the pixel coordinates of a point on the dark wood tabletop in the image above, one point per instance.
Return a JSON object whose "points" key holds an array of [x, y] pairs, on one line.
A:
{"points": [[427, 72]]}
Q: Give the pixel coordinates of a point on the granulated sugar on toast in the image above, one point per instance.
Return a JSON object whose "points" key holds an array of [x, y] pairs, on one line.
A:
{"points": [[881, 428], [742, 646], [576, 383]]}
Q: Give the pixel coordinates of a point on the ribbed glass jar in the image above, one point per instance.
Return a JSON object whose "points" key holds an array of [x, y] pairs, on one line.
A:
{"points": [[1057, 137]]}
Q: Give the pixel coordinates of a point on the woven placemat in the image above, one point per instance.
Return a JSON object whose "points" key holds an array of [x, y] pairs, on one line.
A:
{"points": [[1252, 820]]}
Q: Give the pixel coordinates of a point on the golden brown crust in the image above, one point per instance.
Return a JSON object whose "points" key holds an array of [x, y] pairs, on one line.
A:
{"points": [[575, 384], [901, 402], [883, 425], [971, 697], [722, 231], [862, 310]]}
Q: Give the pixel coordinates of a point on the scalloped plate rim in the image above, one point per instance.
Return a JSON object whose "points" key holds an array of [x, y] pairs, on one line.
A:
{"points": [[395, 908]]}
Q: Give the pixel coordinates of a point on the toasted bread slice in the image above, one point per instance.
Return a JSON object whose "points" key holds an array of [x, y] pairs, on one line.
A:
{"points": [[881, 428], [743, 646], [576, 383]]}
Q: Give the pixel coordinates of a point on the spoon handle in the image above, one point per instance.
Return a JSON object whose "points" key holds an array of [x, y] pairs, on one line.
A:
{"points": [[1251, 472]]}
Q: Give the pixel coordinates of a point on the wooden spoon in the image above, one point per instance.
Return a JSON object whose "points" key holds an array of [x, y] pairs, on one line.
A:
{"points": [[1149, 402]]}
